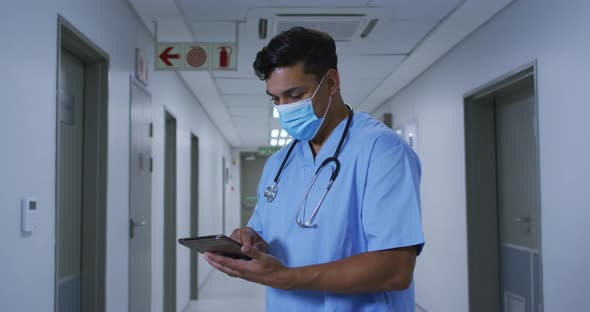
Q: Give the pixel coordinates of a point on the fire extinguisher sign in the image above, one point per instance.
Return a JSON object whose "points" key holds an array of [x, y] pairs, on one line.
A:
{"points": [[224, 56], [196, 56]]}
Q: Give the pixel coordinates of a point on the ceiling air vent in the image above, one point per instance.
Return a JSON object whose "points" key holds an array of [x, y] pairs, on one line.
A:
{"points": [[342, 27]]}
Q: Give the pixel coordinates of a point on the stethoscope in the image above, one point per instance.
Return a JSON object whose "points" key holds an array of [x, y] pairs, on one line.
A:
{"points": [[271, 192]]}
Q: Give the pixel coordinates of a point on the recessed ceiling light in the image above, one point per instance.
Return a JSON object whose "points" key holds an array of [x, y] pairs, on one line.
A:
{"points": [[273, 142], [275, 112], [284, 133], [274, 133], [289, 141], [282, 142]]}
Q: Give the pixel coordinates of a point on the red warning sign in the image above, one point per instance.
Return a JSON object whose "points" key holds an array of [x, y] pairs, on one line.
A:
{"points": [[224, 56], [196, 56], [168, 56]]}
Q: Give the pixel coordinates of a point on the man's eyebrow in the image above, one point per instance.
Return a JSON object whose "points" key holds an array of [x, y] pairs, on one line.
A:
{"points": [[288, 91]]}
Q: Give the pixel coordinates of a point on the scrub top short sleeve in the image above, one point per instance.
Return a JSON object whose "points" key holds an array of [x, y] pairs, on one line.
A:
{"points": [[255, 223], [391, 216]]}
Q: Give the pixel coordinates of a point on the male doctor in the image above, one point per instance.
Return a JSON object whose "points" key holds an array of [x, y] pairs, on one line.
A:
{"points": [[346, 245]]}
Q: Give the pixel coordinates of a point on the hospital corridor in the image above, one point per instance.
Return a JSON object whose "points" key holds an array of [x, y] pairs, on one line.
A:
{"points": [[282, 155]]}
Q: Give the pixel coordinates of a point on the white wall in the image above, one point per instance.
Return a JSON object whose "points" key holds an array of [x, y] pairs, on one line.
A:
{"points": [[27, 161], [234, 201], [191, 119], [555, 34]]}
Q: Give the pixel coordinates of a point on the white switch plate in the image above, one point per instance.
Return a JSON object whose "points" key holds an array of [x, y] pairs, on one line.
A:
{"points": [[29, 212]]}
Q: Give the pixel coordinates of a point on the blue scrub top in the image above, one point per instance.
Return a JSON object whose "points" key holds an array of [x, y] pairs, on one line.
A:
{"points": [[374, 204]]}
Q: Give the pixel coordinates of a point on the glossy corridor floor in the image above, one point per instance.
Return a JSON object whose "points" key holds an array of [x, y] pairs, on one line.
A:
{"points": [[222, 293]]}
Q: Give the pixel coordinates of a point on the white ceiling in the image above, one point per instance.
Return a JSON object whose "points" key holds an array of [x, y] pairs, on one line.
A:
{"points": [[409, 36]]}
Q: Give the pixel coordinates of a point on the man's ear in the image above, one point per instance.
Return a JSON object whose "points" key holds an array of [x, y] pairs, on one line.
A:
{"points": [[333, 79]]}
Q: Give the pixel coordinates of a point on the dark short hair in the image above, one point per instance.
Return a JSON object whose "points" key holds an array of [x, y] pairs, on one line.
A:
{"points": [[316, 49]]}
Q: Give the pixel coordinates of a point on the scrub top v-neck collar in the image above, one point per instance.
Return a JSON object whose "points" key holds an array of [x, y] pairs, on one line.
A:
{"points": [[328, 148]]}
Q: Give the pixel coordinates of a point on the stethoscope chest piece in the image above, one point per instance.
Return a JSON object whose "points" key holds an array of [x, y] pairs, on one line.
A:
{"points": [[271, 192]]}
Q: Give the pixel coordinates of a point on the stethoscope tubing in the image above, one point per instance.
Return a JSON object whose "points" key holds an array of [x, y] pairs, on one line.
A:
{"points": [[271, 191]]}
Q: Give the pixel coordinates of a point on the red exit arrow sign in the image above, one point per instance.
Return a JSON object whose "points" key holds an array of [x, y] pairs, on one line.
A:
{"points": [[175, 56], [166, 56]]}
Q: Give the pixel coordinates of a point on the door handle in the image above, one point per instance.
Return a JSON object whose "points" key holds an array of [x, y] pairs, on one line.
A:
{"points": [[140, 223], [526, 221], [133, 224]]}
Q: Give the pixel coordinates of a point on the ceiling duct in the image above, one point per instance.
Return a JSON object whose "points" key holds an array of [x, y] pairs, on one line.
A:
{"points": [[262, 28], [342, 27], [369, 28], [320, 15]]}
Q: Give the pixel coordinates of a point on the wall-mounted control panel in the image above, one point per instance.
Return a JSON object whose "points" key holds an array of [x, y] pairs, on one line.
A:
{"points": [[29, 209]]}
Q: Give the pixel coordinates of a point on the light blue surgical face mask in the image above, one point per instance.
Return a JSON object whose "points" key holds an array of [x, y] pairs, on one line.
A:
{"points": [[299, 119]]}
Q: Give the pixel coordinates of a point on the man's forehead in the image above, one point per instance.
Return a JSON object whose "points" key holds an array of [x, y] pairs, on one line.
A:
{"points": [[284, 71], [285, 78]]}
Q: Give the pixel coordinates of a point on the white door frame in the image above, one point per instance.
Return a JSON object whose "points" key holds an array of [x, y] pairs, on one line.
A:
{"points": [[482, 219], [95, 164]]}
